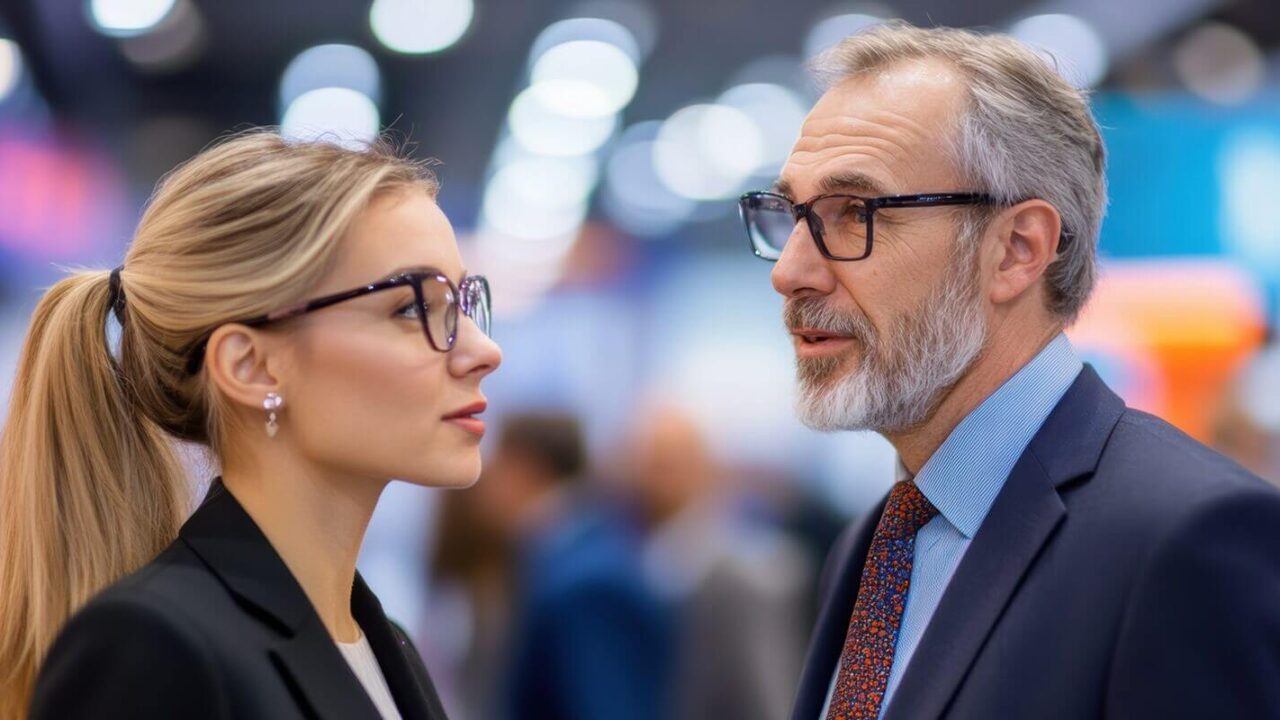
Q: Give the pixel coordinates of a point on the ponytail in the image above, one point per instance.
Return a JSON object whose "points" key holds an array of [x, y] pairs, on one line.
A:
{"points": [[90, 490]]}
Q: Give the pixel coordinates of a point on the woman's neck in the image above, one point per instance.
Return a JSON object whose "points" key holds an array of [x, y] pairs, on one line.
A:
{"points": [[316, 523]]}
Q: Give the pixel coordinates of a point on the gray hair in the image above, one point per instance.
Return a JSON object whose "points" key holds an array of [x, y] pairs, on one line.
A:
{"points": [[1025, 132]]}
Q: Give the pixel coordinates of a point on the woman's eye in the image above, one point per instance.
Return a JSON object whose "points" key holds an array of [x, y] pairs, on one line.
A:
{"points": [[408, 310]]}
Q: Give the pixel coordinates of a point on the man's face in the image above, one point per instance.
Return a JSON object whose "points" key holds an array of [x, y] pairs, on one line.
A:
{"points": [[879, 341]]}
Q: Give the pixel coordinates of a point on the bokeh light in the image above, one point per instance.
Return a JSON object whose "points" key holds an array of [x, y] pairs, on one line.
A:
{"points": [[586, 28], [826, 33], [331, 65], [1249, 173], [634, 197], [341, 115], [123, 18], [418, 27], [539, 197], [637, 16], [10, 67], [1220, 64], [778, 113], [1069, 44], [541, 129], [707, 152], [585, 78]]}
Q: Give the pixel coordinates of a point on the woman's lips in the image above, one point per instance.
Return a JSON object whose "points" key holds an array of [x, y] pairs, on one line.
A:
{"points": [[473, 425], [466, 419]]}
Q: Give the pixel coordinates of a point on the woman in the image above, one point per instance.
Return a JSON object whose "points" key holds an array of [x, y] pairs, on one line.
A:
{"points": [[302, 310]]}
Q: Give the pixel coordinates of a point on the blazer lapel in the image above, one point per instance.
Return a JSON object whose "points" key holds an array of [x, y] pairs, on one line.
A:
{"points": [[406, 676], [840, 580], [1022, 519], [314, 666], [230, 543]]}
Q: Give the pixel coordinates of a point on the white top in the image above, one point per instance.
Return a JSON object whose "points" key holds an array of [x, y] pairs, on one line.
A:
{"points": [[363, 663]]}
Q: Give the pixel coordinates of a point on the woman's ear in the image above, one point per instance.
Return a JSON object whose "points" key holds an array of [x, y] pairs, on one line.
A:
{"points": [[238, 359]]}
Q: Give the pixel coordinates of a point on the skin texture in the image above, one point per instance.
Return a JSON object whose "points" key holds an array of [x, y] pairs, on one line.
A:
{"points": [[885, 133], [365, 400]]}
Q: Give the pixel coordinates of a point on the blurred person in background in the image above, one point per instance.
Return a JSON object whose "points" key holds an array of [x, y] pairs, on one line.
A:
{"points": [[1047, 552], [1246, 426], [740, 586], [468, 613], [301, 310], [590, 639]]}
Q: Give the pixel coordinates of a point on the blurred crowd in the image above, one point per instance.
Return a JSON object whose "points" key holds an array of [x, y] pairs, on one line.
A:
{"points": [[660, 584]]}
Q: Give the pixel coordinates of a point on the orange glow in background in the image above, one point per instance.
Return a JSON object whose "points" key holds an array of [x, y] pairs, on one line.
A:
{"points": [[1169, 335]]}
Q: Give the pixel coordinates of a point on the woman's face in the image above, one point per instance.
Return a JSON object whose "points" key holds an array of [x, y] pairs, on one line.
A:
{"points": [[366, 395]]}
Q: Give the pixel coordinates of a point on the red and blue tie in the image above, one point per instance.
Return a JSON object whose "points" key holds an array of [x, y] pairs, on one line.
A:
{"points": [[877, 614]]}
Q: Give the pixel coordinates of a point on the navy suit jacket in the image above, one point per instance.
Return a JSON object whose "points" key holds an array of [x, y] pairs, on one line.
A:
{"points": [[1124, 571], [592, 640]]}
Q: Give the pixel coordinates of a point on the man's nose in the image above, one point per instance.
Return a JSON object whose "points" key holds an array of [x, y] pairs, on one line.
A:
{"points": [[801, 270]]}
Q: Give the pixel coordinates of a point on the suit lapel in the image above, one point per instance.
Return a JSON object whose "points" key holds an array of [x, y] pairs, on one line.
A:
{"points": [[315, 668], [1019, 524], [1023, 517], [406, 677], [234, 549], [840, 580]]}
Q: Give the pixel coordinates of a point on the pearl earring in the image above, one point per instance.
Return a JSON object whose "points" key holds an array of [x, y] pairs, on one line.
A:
{"points": [[271, 404]]}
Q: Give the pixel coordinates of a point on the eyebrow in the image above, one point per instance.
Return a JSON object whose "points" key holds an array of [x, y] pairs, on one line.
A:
{"points": [[842, 181], [851, 180]]}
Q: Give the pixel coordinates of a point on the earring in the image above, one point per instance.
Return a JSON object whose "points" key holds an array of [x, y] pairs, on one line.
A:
{"points": [[271, 404]]}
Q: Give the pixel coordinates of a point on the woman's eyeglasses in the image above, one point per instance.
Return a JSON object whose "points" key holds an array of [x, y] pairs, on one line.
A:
{"points": [[436, 302]]}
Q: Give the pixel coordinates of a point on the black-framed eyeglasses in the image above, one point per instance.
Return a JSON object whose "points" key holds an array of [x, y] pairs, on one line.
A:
{"points": [[842, 225], [436, 302]]}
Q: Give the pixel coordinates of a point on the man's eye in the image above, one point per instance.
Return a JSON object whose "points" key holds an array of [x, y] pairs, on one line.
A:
{"points": [[855, 211]]}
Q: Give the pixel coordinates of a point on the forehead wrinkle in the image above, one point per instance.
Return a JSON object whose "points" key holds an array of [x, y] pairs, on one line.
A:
{"points": [[868, 161], [889, 130], [894, 141]]}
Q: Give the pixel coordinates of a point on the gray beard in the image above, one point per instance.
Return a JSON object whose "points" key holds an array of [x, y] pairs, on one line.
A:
{"points": [[900, 378]]}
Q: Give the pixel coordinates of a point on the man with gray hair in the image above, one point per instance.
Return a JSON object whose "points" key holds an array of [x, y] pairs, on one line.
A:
{"points": [[1046, 552]]}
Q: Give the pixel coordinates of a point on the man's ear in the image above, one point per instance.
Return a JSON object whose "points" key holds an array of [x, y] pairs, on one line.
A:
{"points": [[1027, 237], [237, 360]]}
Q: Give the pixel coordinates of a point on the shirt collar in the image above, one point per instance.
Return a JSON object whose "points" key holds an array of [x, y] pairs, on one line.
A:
{"points": [[968, 470]]}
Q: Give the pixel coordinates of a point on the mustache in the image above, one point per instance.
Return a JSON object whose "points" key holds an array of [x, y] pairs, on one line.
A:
{"points": [[817, 314]]}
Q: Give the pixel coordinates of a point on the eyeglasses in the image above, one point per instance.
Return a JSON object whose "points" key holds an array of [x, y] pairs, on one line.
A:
{"points": [[436, 302], [842, 226]]}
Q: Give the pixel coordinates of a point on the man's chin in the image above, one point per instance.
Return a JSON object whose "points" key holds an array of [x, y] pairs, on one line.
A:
{"points": [[828, 370], [829, 403]]}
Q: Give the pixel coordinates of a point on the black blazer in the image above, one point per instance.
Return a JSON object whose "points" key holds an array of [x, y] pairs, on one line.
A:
{"points": [[1124, 571], [217, 627]]}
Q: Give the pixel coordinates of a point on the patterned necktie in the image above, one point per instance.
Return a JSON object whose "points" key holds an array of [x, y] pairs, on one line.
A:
{"points": [[873, 630]]}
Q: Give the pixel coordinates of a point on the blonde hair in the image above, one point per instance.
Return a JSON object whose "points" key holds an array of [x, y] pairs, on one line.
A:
{"points": [[1024, 133], [90, 485]]}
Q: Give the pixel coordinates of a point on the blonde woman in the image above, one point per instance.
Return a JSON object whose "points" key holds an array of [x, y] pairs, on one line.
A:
{"points": [[303, 311]]}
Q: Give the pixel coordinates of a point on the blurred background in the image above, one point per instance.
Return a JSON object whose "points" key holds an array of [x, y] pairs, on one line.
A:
{"points": [[648, 488]]}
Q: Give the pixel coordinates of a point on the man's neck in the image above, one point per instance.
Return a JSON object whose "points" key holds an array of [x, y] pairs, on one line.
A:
{"points": [[991, 370]]}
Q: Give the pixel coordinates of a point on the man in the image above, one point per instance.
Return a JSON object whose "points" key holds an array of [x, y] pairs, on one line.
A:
{"points": [[739, 585], [590, 639], [1047, 553]]}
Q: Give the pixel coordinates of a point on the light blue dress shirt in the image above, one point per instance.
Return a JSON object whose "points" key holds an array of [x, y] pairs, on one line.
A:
{"points": [[962, 479]]}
